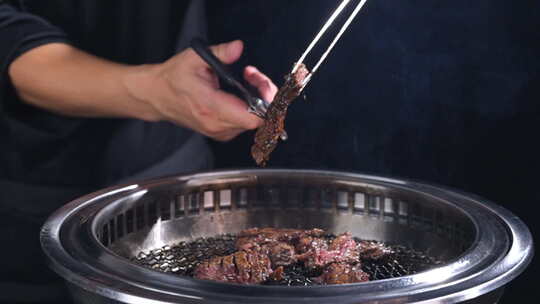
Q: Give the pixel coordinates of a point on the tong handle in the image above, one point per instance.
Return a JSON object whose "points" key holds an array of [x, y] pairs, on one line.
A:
{"points": [[201, 48], [257, 105]]}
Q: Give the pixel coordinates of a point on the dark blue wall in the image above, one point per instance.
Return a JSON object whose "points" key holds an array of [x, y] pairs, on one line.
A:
{"points": [[442, 91]]}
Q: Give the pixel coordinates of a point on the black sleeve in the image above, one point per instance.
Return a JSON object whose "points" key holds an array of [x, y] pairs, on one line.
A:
{"points": [[20, 32]]}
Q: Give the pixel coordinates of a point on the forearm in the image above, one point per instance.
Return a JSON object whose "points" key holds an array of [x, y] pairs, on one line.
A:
{"points": [[65, 80], [182, 90]]}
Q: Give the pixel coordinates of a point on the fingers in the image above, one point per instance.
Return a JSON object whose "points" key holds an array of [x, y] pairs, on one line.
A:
{"points": [[264, 85], [228, 52], [233, 110], [208, 76], [213, 112]]}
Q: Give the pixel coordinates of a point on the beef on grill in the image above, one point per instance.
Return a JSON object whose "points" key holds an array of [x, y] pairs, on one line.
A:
{"points": [[308, 244], [277, 244], [264, 254], [267, 136], [240, 267], [342, 273], [316, 253], [373, 250], [259, 236], [281, 254], [184, 257], [278, 274]]}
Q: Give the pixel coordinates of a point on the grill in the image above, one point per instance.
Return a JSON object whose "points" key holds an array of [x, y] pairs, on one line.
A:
{"points": [[182, 259], [127, 244]]}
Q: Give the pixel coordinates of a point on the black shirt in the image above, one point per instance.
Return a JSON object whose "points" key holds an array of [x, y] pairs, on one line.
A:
{"points": [[44, 148], [47, 159]]}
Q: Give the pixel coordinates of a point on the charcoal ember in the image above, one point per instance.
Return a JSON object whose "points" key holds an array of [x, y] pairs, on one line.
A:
{"points": [[241, 267], [268, 135], [316, 254], [342, 273]]}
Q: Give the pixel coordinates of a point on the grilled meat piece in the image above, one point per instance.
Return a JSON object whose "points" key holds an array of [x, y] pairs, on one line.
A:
{"points": [[277, 244], [263, 254], [373, 250], [267, 136], [278, 274], [342, 273], [270, 235], [309, 243], [241, 267], [345, 245], [281, 254], [253, 268], [316, 253]]}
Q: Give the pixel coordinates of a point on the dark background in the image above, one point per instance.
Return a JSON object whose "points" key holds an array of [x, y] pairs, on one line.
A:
{"points": [[441, 91]]}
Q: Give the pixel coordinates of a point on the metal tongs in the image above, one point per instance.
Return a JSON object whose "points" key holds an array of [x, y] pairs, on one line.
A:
{"points": [[257, 105], [321, 33]]}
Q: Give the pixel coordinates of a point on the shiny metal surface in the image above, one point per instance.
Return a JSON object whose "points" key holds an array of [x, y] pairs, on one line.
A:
{"points": [[321, 33], [483, 245], [258, 106]]}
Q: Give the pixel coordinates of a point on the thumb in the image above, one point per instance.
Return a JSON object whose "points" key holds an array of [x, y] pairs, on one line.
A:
{"points": [[228, 52]]}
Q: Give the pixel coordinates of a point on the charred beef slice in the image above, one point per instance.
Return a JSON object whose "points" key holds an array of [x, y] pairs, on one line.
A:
{"points": [[342, 273], [373, 250], [241, 267], [318, 253], [260, 236], [267, 136], [278, 244], [264, 254]]}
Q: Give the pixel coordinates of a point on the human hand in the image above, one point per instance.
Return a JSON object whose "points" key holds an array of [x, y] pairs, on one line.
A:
{"points": [[185, 91]]}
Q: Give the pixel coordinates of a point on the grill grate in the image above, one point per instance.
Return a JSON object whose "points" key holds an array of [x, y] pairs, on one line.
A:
{"points": [[401, 262], [182, 258]]}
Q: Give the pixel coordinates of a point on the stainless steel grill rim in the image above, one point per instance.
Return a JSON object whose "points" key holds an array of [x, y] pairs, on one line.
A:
{"points": [[82, 262]]}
